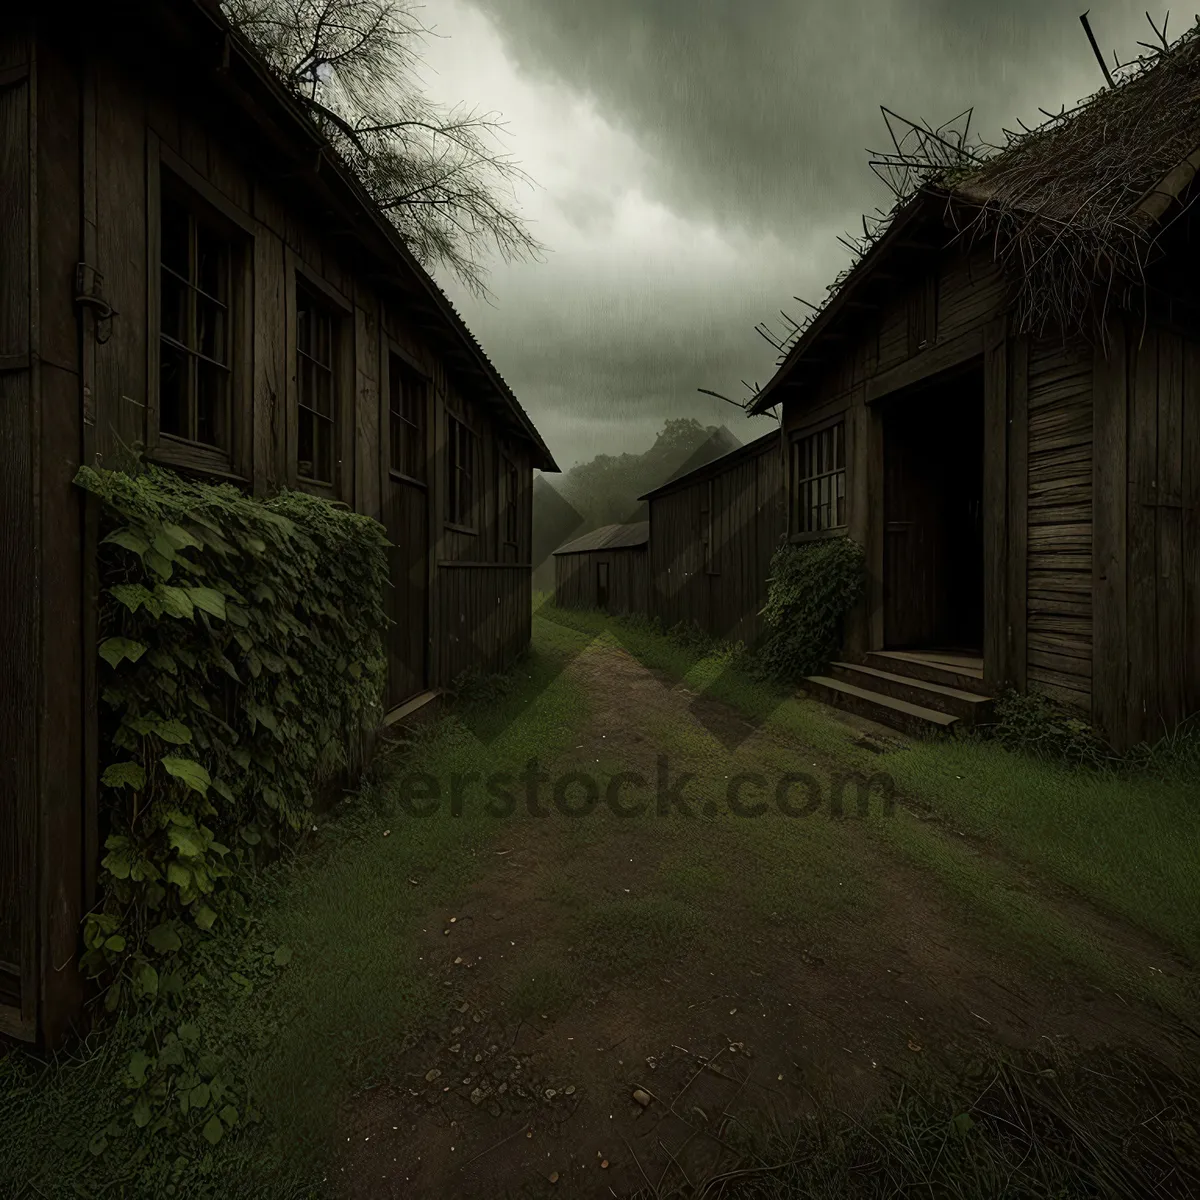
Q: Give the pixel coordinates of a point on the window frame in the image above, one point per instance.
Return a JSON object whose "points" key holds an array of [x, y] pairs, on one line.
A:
{"points": [[167, 172], [800, 530], [300, 277], [510, 501], [454, 507], [400, 366]]}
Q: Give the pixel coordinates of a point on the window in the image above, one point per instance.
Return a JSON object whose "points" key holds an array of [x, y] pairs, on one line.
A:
{"points": [[406, 420], [316, 370], [459, 475], [195, 327], [602, 585], [819, 480], [511, 498], [708, 522]]}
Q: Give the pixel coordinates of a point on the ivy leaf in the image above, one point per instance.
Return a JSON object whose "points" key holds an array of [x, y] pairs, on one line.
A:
{"points": [[141, 1111], [282, 956], [179, 875], [198, 1097], [208, 599], [205, 917], [132, 595], [116, 943], [146, 978], [173, 731], [250, 837], [114, 649], [188, 771], [179, 537], [229, 1115], [117, 864], [222, 789], [163, 938], [129, 539], [213, 1130], [189, 843], [138, 1063], [189, 1034], [175, 600], [159, 564]]}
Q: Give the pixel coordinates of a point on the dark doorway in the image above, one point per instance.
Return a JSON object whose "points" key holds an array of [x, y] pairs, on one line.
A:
{"points": [[602, 585], [933, 515]]}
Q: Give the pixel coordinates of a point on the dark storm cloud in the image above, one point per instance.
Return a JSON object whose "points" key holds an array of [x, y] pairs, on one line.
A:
{"points": [[756, 113]]}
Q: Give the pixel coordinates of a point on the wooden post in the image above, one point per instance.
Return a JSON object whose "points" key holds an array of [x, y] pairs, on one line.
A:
{"points": [[1018, 509], [995, 515], [1110, 653]]}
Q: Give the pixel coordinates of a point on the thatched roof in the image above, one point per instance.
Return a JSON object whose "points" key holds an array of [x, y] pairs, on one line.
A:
{"points": [[1074, 208], [610, 537]]}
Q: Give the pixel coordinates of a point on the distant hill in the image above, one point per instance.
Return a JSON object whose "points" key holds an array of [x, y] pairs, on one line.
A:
{"points": [[605, 490]]}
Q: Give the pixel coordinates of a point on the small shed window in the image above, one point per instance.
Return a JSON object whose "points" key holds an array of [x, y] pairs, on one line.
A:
{"points": [[602, 585], [406, 418], [460, 493], [510, 487], [819, 480], [316, 390], [196, 262]]}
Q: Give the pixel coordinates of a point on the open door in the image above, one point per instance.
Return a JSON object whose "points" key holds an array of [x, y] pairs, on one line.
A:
{"points": [[933, 516]]}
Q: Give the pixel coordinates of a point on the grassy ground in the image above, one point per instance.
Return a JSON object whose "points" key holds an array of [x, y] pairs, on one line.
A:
{"points": [[348, 908], [827, 948]]}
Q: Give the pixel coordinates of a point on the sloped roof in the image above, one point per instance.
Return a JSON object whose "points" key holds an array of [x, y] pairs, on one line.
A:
{"points": [[717, 466], [233, 70], [610, 537], [1074, 204]]}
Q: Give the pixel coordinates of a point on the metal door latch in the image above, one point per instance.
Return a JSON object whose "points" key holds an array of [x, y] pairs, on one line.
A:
{"points": [[88, 287]]}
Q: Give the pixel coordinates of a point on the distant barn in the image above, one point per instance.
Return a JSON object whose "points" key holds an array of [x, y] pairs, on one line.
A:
{"points": [[714, 531], [605, 569]]}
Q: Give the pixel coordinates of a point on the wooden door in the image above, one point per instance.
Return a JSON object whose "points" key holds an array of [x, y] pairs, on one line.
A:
{"points": [[913, 546], [408, 635]]}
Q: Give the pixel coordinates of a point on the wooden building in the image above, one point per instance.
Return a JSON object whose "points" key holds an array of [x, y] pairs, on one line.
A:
{"points": [[605, 569], [712, 534], [186, 265], [1001, 402]]}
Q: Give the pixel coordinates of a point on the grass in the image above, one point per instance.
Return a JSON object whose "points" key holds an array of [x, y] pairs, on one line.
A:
{"points": [[347, 1001], [1116, 1125], [1128, 842]]}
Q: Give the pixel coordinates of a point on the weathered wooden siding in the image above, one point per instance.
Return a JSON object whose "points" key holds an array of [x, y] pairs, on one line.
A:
{"points": [[83, 138], [1059, 512], [748, 522], [19, 540], [576, 586]]}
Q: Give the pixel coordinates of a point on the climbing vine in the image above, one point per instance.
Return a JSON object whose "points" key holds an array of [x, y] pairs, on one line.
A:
{"points": [[812, 588], [243, 663]]}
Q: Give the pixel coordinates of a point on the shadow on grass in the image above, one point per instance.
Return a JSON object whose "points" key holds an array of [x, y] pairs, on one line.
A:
{"points": [[1111, 1125]]}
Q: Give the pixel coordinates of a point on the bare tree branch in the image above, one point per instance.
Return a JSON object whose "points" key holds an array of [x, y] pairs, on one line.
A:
{"points": [[440, 174]]}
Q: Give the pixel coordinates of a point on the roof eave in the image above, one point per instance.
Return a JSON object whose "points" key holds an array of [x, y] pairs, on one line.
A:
{"points": [[363, 204]]}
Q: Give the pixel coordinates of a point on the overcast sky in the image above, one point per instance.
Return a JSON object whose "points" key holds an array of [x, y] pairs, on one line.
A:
{"points": [[695, 161]]}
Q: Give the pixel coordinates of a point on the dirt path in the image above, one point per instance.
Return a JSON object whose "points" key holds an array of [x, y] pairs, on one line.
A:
{"points": [[729, 968]]}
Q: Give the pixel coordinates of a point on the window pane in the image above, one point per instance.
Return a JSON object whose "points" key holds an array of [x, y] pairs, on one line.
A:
{"points": [[304, 451], [323, 398], [323, 335], [212, 407], [211, 262], [172, 391], [323, 431], [176, 250], [303, 326], [211, 330], [173, 313]]}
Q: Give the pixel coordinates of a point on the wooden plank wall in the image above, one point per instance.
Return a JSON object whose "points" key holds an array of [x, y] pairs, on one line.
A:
{"points": [[749, 522], [19, 543], [575, 578], [1163, 562], [486, 619], [1059, 514]]}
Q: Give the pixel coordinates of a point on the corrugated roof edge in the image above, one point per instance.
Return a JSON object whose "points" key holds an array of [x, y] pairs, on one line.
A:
{"points": [[610, 537], [717, 465], [285, 101]]}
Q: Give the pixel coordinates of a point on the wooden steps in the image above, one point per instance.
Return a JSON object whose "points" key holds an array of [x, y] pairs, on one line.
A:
{"points": [[917, 693]]}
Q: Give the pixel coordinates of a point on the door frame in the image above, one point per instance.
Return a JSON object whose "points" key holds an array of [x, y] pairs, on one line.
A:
{"points": [[991, 349]]}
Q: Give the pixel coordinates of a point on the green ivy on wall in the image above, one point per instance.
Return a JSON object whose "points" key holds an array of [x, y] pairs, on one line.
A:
{"points": [[243, 664], [812, 588]]}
